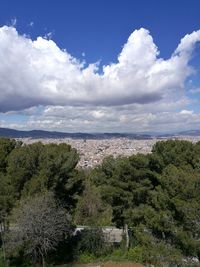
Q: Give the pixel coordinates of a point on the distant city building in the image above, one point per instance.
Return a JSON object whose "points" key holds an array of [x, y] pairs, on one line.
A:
{"points": [[93, 151]]}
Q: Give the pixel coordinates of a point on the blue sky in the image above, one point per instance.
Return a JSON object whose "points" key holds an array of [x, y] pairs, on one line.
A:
{"points": [[82, 25], [74, 79]]}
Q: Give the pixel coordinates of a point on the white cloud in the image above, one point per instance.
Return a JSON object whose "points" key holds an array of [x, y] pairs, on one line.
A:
{"points": [[109, 119], [31, 24], [48, 35], [55, 91], [40, 73], [186, 112], [13, 22], [98, 114]]}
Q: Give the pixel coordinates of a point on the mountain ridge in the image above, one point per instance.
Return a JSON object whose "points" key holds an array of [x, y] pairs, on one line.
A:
{"points": [[12, 133]]}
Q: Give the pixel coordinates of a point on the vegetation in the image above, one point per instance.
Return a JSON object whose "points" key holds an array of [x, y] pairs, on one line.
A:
{"points": [[39, 224], [43, 195]]}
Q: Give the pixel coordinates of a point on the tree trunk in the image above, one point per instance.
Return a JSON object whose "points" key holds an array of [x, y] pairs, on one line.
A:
{"points": [[43, 261], [127, 236], [2, 228]]}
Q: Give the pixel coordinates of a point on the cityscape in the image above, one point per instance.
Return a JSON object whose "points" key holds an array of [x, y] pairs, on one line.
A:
{"points": [[92, 152], [100, 133]]}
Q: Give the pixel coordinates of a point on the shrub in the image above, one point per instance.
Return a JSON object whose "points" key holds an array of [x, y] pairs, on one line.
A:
{"points": [[135, 254], [91, 241], [87, 257]]}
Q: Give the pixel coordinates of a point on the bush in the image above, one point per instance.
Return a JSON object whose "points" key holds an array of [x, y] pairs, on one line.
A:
{"points": [[135, 254], [2, 263], [118, 254], [87, 257], [91, 241]]}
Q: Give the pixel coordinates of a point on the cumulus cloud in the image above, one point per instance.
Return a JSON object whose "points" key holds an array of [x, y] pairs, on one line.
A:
{"points": [[46, 88], [38, 72]]}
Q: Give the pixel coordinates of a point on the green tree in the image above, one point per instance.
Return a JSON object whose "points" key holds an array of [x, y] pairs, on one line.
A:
{"points": [[39, 168], [6, 146], [124, 183], [91, 241], [176, 152]]}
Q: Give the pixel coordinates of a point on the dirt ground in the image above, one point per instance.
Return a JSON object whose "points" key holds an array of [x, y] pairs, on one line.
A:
{"points": [[110, 264]]}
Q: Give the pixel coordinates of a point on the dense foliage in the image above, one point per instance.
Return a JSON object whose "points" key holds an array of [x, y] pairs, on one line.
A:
{"points": [[156, 195]]}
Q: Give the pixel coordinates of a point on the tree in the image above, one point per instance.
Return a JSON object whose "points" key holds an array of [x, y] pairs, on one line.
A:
{"points": [[39, 225], [37, 168], [91, 210], [91, 240], [124, 183], [23, 165], [6, 146], [176, 152]]}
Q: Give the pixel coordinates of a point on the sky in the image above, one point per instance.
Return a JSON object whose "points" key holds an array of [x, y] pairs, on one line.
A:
{"points": [[100, 66]]}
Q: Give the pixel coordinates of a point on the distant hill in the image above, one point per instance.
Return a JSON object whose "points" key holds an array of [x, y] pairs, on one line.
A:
{"points": [[6, 132], [190, 133]]}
